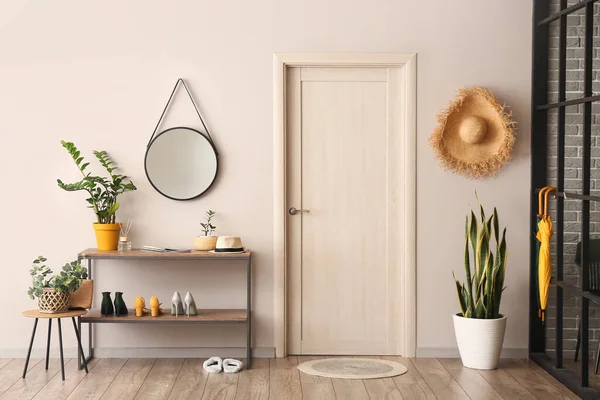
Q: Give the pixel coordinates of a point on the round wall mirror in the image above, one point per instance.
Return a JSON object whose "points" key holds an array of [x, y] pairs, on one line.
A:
{"points": [[181, 163]]}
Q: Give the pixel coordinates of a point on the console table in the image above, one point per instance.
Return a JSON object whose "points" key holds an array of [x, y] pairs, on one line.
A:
{"points": [[205, 316]]}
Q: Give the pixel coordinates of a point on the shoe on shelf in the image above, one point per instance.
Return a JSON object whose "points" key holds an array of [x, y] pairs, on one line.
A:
{"points": [[231, 366], [155, 309], [140, 306], [176, 305], [190, 305], [213, 365], [106, 308], [120, 307]]}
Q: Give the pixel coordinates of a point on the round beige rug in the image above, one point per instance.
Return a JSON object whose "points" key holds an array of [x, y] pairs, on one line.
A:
{"points": [[352, 368]]}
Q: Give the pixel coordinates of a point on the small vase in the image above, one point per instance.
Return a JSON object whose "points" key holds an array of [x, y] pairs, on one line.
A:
{"points": [[120, 307], [107, 306]]}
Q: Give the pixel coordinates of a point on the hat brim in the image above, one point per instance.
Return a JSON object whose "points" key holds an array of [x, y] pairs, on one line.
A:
{"points": [[233, 250], [474, 160]]}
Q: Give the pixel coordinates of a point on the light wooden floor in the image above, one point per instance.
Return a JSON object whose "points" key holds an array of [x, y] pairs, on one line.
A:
{"points": [[149, 379]]}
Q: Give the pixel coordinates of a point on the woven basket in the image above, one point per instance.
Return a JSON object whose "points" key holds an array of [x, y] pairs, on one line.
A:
{"points": [[52, 302], [82, 297]]}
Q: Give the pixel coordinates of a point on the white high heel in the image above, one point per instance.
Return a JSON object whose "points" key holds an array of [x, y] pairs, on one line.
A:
{"points": [[176, 305], [190, 304]]}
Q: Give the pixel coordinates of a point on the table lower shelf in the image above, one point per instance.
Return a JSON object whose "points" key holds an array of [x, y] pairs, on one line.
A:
{"points": [[224, 316]]}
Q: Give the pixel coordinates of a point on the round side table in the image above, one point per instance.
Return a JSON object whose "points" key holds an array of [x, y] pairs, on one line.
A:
{"points": [[69, 314]]}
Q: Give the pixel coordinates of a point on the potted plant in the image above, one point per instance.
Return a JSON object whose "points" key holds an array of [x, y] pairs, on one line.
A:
{"points": [[103, 193], [207, 241], [479, 327], [52, 291]]}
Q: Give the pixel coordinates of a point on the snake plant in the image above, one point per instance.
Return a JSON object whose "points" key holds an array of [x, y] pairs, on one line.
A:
{"points": [[479, 297]]}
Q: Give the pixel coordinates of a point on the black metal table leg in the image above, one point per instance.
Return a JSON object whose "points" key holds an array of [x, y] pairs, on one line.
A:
{"points": [[80, 349], [597, 359], [48, 342], [90, 326], [30, 347], [249, 314], [62, 360], [578, 342]]}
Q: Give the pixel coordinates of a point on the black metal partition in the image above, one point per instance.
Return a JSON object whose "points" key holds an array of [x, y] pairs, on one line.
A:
{"points": [[562, 94]]}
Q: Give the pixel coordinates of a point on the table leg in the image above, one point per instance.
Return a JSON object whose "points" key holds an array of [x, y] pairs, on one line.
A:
{"points": [[90, 339], [30, 346], [48, 342], [62, 359], [80, 348], [249, 310], [79, 351]]}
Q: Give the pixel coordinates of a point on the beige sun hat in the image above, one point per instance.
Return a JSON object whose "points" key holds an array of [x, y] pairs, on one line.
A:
{"points": [[475, 134], [229, 244]]}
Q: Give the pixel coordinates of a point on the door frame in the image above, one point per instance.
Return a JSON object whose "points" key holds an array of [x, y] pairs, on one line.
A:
{"points": [[407, 63]]}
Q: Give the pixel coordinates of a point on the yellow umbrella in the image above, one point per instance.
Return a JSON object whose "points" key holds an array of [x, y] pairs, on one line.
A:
{"points": [[544, 260]]}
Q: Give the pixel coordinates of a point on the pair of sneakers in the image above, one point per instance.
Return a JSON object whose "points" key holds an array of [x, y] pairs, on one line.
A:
{"points": [[228, 365]]}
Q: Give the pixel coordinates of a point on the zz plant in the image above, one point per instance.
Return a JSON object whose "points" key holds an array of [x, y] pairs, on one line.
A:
{"points": [[67, 280], [208, 228], [102, 191], [480, 296]]}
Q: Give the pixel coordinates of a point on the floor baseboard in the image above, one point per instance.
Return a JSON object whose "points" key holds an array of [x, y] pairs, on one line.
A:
{"points": [[452, 352], [146, 352]]}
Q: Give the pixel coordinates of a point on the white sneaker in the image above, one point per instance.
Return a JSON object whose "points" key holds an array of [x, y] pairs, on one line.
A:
{"points": [[213, 365], [231, 366]]}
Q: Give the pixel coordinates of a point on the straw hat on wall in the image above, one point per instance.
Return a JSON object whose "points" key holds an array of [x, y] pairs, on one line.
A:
{"points": [[475, 134]]}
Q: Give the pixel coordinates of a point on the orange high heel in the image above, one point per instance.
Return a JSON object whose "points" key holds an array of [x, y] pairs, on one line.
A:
{"points": [[140, 306], [155, 308]]}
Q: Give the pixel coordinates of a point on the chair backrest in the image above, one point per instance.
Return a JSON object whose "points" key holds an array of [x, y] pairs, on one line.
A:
{"points": [[594, 272], [82, 297], [594, 257]]}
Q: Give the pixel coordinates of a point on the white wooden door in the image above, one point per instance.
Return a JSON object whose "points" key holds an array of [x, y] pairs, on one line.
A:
{"points": [[345, 158]]}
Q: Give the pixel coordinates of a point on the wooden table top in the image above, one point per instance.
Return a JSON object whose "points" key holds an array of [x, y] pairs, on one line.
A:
{"points": [[204, 315], [68, 314], [137, 254]]}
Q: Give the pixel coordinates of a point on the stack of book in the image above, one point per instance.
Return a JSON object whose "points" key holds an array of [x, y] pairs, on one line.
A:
{"points": [[155, 249]]}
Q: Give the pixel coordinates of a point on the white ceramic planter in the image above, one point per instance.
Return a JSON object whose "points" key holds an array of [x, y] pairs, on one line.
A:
{"points": [[479, 341]]}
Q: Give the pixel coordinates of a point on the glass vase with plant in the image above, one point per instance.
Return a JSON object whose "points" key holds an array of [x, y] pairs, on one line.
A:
{"points": [[53, 290], [207, 241], [102, 194]]}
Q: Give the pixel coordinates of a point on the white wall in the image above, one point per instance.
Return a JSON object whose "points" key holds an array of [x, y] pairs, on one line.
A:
{"points": [[99, 73]]}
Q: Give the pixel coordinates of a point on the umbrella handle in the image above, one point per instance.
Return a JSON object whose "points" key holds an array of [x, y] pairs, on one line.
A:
{"points": [[546, 194], [541, 200]]}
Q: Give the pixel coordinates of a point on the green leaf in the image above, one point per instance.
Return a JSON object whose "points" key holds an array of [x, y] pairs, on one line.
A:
{"points": [[461, 300], [480, 309], [496, 225], [469, 283], [113, 209]]}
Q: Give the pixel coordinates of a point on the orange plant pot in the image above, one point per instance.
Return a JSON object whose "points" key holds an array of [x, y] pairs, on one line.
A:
{"points": [[107, 235]]}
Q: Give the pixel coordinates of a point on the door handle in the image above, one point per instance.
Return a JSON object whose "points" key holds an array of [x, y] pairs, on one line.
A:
{"points": [[294, 211]]}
